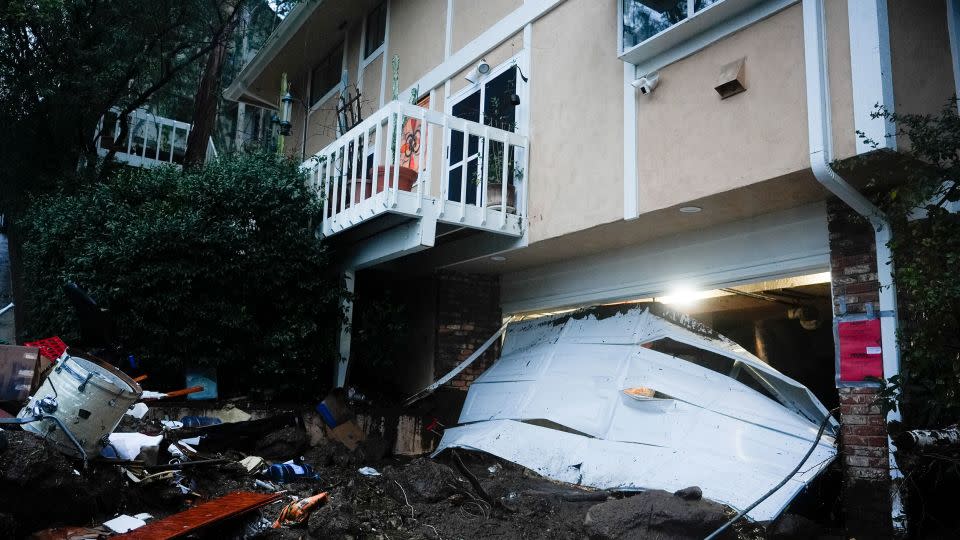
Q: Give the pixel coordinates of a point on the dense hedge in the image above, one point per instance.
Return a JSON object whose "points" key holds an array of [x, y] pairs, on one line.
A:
{"points": [[217, 266]]}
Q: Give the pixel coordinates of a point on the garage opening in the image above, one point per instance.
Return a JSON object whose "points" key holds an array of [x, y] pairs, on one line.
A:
{"points": [[788, 324]]}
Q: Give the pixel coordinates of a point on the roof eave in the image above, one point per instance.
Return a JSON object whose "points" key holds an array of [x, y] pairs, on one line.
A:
{"points": [[239, 88]]}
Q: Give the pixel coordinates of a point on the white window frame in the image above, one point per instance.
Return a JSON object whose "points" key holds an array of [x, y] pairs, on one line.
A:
{"points": [[337, 88], [366, 60], [694, 33]]}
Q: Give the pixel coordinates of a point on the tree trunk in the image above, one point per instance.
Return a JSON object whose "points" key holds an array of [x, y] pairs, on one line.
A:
{"points": [[205, 105], [926, 440]]}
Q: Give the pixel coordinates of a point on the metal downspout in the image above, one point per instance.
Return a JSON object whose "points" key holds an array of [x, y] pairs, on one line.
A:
{"points": [[821, 154]]}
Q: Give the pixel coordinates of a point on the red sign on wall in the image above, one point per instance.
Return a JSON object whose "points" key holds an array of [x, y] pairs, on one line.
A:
{"points": [[861, 355]]}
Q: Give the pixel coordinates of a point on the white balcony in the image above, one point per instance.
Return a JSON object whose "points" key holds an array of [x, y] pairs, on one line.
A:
{"points": [[151, 140], [408, 163]]}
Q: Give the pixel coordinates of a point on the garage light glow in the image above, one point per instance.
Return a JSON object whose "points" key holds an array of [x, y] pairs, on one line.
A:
{"points": [[685, 296]]}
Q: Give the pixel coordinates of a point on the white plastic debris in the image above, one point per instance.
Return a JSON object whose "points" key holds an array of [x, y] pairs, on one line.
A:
{"points": [[138, 410], [147, 394], [171, 424], [124, 523], [494, 469], [253, 464], [368, 471], [128, 445]]}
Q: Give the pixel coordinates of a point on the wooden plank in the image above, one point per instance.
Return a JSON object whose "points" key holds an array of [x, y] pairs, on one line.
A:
{"points": [[202, 515]]}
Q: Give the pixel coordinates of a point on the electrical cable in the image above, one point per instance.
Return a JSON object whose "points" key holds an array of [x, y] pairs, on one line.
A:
{"points": [[740, 514]]}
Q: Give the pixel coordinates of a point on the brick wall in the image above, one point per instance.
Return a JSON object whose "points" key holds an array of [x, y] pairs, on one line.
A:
{"points": [[863, 430], [468, 313]]}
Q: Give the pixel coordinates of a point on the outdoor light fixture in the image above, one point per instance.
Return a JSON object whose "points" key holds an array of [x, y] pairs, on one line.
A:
{"points": [[474, 74], [498, 258], [690, 209], [286, 113]]}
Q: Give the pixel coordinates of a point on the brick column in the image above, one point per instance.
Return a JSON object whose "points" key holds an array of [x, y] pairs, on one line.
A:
{"points": [[468, 313], [863, 430]]}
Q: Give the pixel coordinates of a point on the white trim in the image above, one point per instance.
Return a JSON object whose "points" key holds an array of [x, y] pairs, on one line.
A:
{"points": [[502, 30], [448, 36], [788, 243], [631, 187], [365, 60], [386, 59], [870, 72], [693, 34], [326, 97], [953, 27]]}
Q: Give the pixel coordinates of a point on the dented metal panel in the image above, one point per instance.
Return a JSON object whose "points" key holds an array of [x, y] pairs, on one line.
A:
{"points": [[702, 426]]}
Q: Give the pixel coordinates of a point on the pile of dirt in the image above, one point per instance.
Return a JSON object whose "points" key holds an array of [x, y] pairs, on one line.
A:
{"points": [[40, 487], [457, 495]]}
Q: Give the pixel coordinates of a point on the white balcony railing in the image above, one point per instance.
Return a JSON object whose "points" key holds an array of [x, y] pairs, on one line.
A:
{"points": [[408, 160], [151, 140]]}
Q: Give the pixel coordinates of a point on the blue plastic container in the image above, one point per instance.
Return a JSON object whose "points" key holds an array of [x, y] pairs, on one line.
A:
{"points": [[288, 472]]}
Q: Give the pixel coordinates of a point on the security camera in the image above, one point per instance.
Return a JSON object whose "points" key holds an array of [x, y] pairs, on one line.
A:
{"points": [[646, 84], [483, 67], [472, 76]]}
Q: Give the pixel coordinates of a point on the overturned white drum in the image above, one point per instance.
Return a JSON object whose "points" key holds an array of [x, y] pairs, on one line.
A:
{"points": [[88, 396]]}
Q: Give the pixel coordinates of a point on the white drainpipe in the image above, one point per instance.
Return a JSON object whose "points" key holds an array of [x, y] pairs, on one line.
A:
{"points": [[821, 154]]}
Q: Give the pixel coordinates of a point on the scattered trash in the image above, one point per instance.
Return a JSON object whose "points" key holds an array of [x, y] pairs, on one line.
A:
{"points": [[265, 485], [494, 469], [230, 414], [202, 515], [205, 379], [89, 396], [348, 434], [368, 471], [128, 445], [198, 421], [298, 512], [253, 464], [171, 424], [290, 471], [19, 369], [138, 410], [150, 395], [334, 409], [124, 523]]}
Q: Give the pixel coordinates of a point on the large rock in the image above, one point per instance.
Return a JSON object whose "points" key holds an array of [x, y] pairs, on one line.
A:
{"points": [[655, 515]]}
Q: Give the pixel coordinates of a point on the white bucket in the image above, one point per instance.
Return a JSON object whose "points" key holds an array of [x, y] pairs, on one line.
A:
{"points": [[91, 397]]}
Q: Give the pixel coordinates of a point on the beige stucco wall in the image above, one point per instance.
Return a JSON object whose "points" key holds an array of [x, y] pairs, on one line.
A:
{"points": [[322, 126], [417, 35], [692, 144], [576, 98], [920, 54], [472, 17]]}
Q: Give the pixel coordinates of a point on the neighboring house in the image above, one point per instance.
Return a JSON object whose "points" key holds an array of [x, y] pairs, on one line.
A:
{"points": [[615, 150]]}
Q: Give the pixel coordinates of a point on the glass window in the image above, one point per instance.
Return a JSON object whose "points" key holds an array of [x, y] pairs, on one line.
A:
{"points": [[643, 19], [327, 74], [376, 29]]}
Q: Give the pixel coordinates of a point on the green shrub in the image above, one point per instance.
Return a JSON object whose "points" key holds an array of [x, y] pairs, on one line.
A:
{"points": [[217, 266]]}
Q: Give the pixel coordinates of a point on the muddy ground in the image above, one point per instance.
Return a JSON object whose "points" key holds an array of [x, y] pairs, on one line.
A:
{"points": [[459, 495]]}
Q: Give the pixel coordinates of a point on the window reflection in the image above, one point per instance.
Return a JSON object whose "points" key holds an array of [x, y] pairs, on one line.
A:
{"points": [[643, 19]]}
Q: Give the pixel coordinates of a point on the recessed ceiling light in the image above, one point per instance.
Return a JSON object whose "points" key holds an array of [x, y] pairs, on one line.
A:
{"points": [[690, 209], [498, 258]]}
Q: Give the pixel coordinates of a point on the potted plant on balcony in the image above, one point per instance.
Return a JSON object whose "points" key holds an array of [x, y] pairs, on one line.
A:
{"points": [[410, 136]]}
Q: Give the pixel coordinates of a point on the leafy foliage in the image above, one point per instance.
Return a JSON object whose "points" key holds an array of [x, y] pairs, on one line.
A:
{"points": [[217, 266], [926, 247]]}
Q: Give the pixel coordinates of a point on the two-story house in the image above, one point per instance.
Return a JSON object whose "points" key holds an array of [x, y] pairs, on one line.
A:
{"points": [[510, 157]]}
